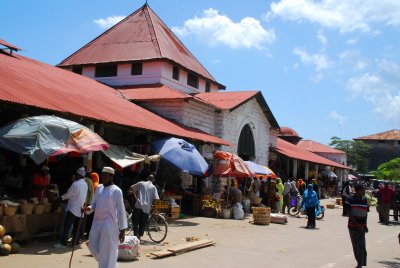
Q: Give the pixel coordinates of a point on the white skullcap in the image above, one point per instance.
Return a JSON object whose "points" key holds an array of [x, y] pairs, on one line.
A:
{"points": [[108, 170], [81, 171]]}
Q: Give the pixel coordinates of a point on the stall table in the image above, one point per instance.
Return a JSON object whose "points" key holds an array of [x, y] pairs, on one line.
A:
{"points": [[30, 226]]}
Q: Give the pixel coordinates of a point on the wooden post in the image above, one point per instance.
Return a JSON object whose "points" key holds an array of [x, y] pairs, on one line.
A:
{"points": [[306, 171], [294, 168]]}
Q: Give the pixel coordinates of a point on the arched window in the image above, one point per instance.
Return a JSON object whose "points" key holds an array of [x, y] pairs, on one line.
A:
{"points": [[246, 144]]}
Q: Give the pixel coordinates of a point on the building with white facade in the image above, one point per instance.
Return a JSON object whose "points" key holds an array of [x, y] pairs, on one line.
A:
{"points": [[144, 60]]}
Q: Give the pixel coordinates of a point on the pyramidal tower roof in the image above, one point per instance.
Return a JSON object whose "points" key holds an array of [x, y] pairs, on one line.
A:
{"points": [[140, 36]]}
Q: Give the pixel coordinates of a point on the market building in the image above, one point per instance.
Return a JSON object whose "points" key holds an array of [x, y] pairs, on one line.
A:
{"points": [[148, 65], [385, 146], [295, 158]]}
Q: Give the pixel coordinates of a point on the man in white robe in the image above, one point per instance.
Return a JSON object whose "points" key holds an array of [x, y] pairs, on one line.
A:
{"points": [[109, 223]]}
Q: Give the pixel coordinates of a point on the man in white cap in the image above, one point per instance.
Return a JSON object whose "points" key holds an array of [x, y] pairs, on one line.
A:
{"points": [[76, 196], [109, 223]]}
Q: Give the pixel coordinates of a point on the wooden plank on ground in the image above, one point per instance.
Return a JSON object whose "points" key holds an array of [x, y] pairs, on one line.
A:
{"points": [[191, 246], [162, 253]]}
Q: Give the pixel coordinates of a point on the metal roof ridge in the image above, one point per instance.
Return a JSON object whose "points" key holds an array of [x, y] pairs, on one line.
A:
{"points": [[102, 34], [153, 33]]}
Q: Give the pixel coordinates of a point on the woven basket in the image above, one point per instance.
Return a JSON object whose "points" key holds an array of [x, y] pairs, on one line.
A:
{"points": [[262, 215], [27, 209], [47, 208], [39, 209], [10, 211], [1, 210]]}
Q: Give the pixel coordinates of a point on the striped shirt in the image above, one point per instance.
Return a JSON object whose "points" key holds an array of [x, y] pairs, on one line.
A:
{"points": [[358, 208]]}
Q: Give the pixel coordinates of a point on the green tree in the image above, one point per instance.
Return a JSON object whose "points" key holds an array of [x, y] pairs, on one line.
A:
{"points": [[389, 170], [357, 152]]}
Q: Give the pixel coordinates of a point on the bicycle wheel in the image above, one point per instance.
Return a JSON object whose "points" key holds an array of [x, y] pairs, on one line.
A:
{"points": [[320, 216], [294, 211], [157, 228]]}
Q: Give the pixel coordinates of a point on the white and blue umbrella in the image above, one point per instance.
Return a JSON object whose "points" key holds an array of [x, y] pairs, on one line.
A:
{"points": [[181, 154]]}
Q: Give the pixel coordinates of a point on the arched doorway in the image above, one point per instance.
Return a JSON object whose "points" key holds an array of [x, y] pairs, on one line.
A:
{"points": [[246, 148]]}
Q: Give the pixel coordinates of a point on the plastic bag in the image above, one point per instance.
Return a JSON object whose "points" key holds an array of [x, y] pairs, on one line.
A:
{"points": [[130, 249], [238, 213]]}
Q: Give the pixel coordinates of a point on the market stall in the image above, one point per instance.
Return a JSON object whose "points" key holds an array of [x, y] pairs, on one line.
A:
{"points": [[231, 176], [32, 209], [184, 188]]}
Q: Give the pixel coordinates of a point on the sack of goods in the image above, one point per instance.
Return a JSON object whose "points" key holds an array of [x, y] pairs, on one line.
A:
{"points": [[130, 249], [238, 213], [278, 218]]}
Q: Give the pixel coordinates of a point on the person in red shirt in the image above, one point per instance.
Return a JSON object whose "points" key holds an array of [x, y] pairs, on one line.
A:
{"points": [[40, 183], [387, 194]]}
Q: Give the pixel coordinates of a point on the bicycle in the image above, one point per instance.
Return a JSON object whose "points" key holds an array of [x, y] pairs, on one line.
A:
{"points": [[156, 226], [295, 209]]}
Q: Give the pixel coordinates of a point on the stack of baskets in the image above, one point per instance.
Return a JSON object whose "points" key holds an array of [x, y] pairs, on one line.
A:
{"points": [[262, 215]]}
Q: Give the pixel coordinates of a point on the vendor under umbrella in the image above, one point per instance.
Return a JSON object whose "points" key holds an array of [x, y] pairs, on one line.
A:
{"points": [[41, 181]]}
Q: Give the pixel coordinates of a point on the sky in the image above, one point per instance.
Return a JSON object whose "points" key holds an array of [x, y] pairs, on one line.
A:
{"points": [[326, 68]]}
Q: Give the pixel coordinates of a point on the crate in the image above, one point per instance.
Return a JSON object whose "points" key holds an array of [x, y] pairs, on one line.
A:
{"points": [[209, 212], [262, 215], [175, 212]]}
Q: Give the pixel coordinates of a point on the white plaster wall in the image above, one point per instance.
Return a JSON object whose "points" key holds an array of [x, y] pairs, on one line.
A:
{"points": [[152, 73], [338, 158], [170, 109], [233, 123], [200, 115]]}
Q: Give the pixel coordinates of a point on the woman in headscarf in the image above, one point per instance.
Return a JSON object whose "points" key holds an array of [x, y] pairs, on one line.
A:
{"points": [[272, 195], [95, 179], [315, 185], [301, 185], [309, 203], [279, 188]]}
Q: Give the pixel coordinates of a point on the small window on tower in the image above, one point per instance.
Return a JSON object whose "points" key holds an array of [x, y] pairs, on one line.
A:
{"points": [[106, 70], [193, 80], [137, 68], [77, 69], [207, 86], [175, 73]]}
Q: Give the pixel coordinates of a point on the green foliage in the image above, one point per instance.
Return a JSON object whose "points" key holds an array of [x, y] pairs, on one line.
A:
{"points": [[356, 151], [389, 170]]}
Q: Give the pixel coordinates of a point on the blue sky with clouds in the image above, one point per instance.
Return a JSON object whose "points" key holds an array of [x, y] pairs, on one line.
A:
{"points": [[326, 68]]}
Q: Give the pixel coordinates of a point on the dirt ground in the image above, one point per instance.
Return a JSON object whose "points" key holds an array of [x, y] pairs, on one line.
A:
{"points": [[241, 244]]}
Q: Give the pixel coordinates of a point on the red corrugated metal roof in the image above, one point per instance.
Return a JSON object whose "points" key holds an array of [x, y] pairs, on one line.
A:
{"points": [[296, 152], [152, 92], [316, 147], [6, 44], [288, 132], [140, 36], [226, 100], [30, 82], [393, 134]]}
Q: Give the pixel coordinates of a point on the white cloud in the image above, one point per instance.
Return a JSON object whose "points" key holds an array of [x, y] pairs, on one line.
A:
{"points": [[381, 89], [108, 22], [216, 61], [352, 41], [322, 37], [215, 28], [354, 59], [337, 117], [319, 60], [345, 15]]}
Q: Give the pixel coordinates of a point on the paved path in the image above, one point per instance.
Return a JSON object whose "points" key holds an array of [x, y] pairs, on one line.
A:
{"points": [[241, 244]]}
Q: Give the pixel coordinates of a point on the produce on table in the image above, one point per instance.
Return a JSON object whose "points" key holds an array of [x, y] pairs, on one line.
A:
{"points": [[7, 247], [3, 251], [15, 248], [7, 239], [2, 231]]}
